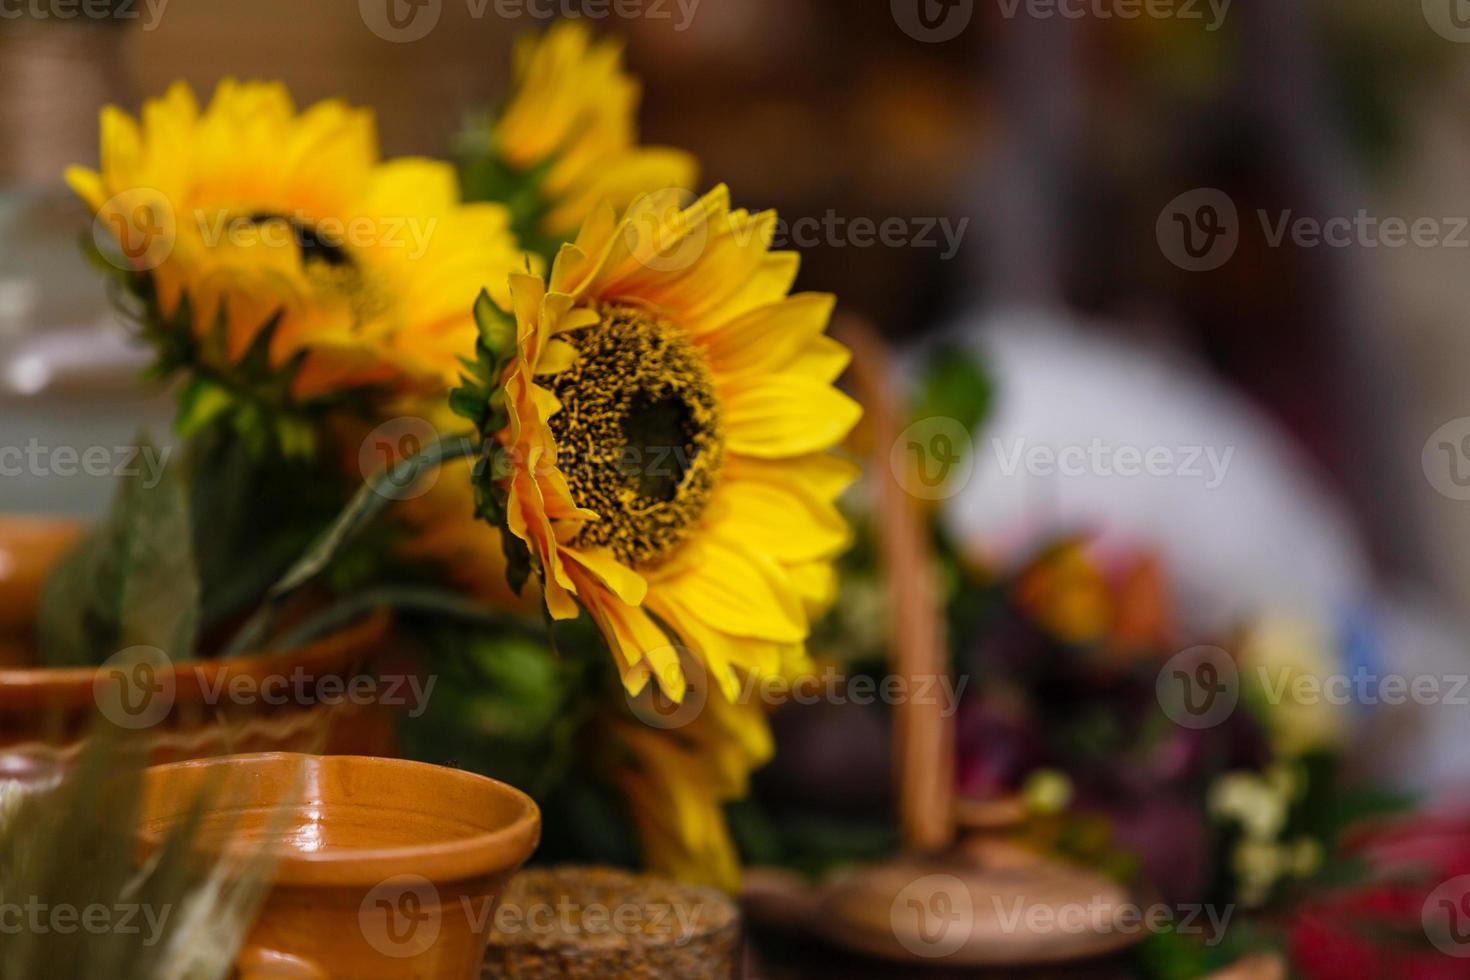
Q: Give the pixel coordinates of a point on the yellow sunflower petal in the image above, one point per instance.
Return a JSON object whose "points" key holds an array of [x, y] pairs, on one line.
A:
{"points": [[787, 416], [572, 111], [623, 582], [641, 645], [88, 186], [736, 590], [781, 521], [768, 339]]}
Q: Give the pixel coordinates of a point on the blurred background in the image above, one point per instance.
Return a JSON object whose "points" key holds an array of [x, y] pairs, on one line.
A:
{"points": [[1115, 211], [1027, 161], [1214, 254]]}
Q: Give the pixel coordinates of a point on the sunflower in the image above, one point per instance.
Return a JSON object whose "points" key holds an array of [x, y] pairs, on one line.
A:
{"points": [[259, 224], [571, 117], [665, 457], [676, 784]]}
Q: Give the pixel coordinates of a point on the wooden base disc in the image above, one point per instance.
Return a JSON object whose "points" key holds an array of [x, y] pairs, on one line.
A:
{"points": [[949, 911], [590, 923]]}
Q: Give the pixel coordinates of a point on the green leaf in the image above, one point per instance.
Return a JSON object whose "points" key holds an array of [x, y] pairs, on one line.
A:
{"points": [[486, 176], [252, 515], [132, 582], [954, 385], [296, 436], [497, 328], [364, 507], [200, 402], [517, 561], [470, 402], [68, 622]]}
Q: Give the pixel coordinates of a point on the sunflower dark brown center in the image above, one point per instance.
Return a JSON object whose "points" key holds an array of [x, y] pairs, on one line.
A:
{"points": [[639, 435], [328, 265], [315, 246]]}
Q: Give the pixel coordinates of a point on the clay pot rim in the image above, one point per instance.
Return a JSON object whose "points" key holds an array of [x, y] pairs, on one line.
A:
{"points": [[49, 687], [69, 687], [485, 853]]}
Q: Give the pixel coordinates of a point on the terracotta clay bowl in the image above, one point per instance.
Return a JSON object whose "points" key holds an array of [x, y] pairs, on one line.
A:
{"points": [[45, 712], [383, 868]]}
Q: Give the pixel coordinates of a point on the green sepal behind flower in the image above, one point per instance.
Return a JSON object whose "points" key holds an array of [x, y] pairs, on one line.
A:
{"points": [[486, 176], [481, 400], [252, 396]]}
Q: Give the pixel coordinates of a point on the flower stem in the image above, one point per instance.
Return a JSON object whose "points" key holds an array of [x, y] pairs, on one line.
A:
{"points": [[369, 501], [426, 600]]}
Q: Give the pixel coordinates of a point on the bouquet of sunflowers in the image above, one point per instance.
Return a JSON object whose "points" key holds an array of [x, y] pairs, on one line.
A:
{"points": [[560, 414]]}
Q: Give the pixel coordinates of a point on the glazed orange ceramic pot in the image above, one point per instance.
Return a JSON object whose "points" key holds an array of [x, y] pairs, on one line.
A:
{"points": [[383, 869], [298, 700]]}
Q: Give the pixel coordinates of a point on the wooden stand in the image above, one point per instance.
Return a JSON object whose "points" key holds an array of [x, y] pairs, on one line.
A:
{"points": [[963, 893]]}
